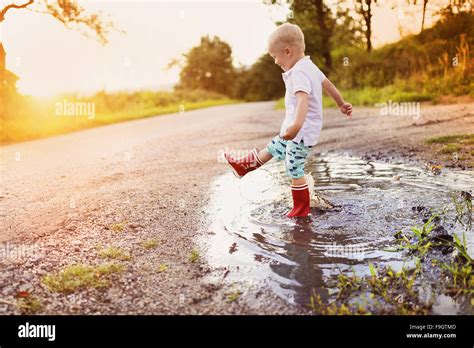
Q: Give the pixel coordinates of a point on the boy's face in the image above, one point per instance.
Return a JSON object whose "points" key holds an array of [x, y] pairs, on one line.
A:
{"points": [[282, 57]]}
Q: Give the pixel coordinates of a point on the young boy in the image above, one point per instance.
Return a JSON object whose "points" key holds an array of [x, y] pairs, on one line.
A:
{"points": [[304, 118]]}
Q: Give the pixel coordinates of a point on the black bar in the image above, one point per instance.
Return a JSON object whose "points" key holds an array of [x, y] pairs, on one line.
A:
{"points": [[262, 330]]}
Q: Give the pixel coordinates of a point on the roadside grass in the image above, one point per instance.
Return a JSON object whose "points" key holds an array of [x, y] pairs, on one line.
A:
{"points": [[453, 138], [387, 291], [371, 96], [118, 227], [29, 304], [149, 243], [162, 268], [233, 296], [420, 242], [115, 254], [454, 148], [38, 118], [81, 276], [194, 256]]}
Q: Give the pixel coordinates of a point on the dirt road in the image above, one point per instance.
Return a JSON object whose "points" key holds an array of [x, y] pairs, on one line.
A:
{"points": [[129, 185]]}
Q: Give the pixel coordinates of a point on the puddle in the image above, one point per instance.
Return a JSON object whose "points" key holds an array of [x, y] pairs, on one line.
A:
{"points": [[296, 258]]}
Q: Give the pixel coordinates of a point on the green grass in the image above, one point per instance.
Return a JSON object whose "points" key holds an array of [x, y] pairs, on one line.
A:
{"points": [[390, 291], [234, 296], [421, 62], [194, 256], [280, 104], [418, 240], [118, 227], [29, 304], [370, 96], [149, 243], [33, 119], [450, 148], [162, 268], [387, 291], [459, 269], [115, 254], [81, 276], [453, 138], [454, 147]]}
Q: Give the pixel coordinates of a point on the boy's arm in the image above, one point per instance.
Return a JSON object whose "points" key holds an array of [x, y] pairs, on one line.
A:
{"points": [[301, 111], [346, 108]]}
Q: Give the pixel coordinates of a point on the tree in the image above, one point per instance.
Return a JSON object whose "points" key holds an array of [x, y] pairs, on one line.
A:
{"points": [[325, 30], [364, 8], [321, 27], [425, 3], [262, 81], [67, 12], [317, 23], [452, 7], [208, 66]]}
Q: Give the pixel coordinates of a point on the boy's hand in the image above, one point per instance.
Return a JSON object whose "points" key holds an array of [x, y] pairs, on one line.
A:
{"points": [[346, 109]]}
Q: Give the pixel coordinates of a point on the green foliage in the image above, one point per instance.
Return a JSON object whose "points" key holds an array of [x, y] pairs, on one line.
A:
{"points": [[115, 254], [425, 61], [263, 81], [453, 138], [419, 240], [463, 209], [29, 304], [371, 96], [118, 227], [81, 276], [194, 256], [150, 243], [454, 148], [209, 67], [418, 68], [162, 268], [390, 292], [234, 296], [461, 275], [36, 118]]}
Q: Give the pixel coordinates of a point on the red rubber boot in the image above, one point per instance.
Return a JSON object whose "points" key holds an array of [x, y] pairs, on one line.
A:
{"points": [[301, 201], [245, 164]]}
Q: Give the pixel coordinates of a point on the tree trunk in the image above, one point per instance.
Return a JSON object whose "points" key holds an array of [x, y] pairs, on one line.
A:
{"points": [[325, 33], [368, 23], [425, 2]]}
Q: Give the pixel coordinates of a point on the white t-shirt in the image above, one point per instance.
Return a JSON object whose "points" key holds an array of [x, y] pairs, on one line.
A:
{"points": [[304, 76]]}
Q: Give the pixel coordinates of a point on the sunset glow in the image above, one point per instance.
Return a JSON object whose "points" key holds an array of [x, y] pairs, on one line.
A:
{"points": [[50, 59]]}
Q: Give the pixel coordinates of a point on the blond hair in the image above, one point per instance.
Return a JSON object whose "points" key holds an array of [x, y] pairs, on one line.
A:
{"points": [[287, 34]]}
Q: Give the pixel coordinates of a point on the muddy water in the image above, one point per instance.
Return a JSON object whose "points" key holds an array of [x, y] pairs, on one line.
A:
{"points": [[260, 246]]}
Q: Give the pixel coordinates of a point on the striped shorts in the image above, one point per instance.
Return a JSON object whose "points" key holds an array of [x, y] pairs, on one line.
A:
{"points": [[294, 155]]}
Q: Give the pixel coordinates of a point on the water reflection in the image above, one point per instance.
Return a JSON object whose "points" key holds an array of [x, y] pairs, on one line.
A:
{"points": [[299, 257]]}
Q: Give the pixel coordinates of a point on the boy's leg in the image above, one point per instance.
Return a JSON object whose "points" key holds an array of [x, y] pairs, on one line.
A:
{"points": [[256, 159], [244, 165], [264, 155], [298, 181], [295, 161], [275, 148]]}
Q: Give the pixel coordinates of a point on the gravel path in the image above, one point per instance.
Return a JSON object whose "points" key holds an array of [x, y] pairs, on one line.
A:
{"points": [[67, 198]]}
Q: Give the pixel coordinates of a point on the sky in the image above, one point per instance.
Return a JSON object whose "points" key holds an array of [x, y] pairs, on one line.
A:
{"points": [[50, 59]]}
